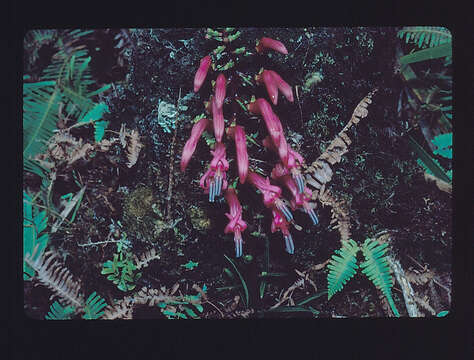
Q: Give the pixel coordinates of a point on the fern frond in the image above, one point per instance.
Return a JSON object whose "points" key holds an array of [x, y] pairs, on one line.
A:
{"points": [[319, 173], [59, 312], [40, 115], [425, 36], [146, 258], [427, 162], [133, 149], [342, 266], [377, 269], [93, 308], [34, 224], [56, 277], [443, 143]]}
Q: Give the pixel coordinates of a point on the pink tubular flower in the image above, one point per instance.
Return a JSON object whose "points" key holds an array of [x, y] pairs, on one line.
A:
{"points": [[271, 194], [293, 166], [201, 73], [295, 161], [238, 133], [282, 86], [300, 199], [190, 145], [236, 224], [268, 43], [217, 120], [279, 223], [220, 90], [270, 83], [214, 180], [273, 124]]}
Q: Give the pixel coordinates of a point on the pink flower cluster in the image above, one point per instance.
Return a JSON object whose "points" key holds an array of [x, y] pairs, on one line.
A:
{"points": [[287, 171]]}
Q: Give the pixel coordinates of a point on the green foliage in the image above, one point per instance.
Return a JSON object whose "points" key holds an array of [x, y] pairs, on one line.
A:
{"points": [[425, 36], [40, 115], [172, 312], [428, 163], [377, 269], [342, 267], [34, 225], [65, 84], [120, 271], [443, 143], [244, 285], [93, 308], [58, 312], [190, 265], [445, 50], [442, 313]]}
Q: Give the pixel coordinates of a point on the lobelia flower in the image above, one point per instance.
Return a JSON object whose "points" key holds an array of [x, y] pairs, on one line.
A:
{"points": [[279, 223], [236, 224], [300, 200], [293, 166], [214, 180], [220, 90], [190, 145], [268, 43], [273, 82], [238, 134], [271, 194], [273, 124], [201, 72], [282, 86], [270, 84], [217, 120]]}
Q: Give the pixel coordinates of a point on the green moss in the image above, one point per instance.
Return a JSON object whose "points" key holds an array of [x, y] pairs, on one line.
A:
{"points": [[199, 219], [140, 215]]}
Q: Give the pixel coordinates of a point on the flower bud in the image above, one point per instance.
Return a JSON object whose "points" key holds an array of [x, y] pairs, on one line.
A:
{"points": [[201, 73]]}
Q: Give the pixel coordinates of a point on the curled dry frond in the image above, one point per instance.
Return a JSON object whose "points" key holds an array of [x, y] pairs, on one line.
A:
{"points": [[145, 258], [56, 277], [339, 213], [319, 172], [419, 278], [133, 149]]}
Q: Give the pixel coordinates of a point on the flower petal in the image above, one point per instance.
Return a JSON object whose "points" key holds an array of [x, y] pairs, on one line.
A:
{"points": [[242, 155], [201, 73], [220, 90], [267, 78], [282, 86], [190, 145], [268, 43], [217, 120]]}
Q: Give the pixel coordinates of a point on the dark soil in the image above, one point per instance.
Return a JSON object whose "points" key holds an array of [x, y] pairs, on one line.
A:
{"points": [[378, 178]]}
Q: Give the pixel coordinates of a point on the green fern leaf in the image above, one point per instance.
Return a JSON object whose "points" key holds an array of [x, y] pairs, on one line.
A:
{"points": [[443, 143], [342, 267], [426, 36], [40, 115], [94, 304], [58, 312], [377, 269], [34, 224], [427, 162]]}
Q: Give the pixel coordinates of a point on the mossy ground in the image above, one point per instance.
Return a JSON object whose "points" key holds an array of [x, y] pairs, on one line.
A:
{"points": [[334, 68]]}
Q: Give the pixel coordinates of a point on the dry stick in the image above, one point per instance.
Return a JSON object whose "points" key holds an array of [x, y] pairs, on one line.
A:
{"points": [[171, 166], [407, 290]]}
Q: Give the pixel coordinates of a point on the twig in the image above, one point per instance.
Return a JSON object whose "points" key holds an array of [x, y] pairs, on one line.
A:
{"points": [[171, 165], [222, 314], [99, 243], [407, 290]]}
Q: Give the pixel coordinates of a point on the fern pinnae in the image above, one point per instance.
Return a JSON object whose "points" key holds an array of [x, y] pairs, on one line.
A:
{"points": [[377, 269], [56, 277], [342, 266]]}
